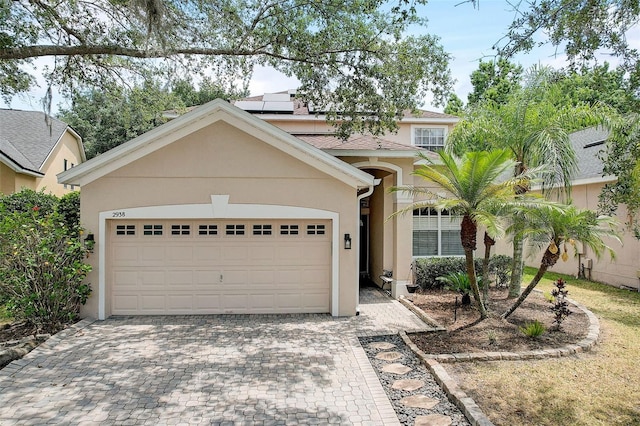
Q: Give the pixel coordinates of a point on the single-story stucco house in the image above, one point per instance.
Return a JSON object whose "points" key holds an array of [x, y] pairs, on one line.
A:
{"points": [[34, 148], [255, 208]]}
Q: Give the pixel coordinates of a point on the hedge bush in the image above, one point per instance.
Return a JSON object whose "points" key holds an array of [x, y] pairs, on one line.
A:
{"points": [[42, 257], [427, 270]]}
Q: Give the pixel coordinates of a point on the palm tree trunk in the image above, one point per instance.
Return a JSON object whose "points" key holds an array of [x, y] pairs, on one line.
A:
{"points": [[468, 232], [548, 260], [516, 266], [488, 243]]}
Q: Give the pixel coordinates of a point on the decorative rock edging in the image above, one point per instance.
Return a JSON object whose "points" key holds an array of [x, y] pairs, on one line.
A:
{"points": [[47, 342], [421, 314], [463, 401]]}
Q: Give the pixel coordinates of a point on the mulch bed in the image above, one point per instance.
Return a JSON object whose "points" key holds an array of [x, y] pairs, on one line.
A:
{"points": [[493, 334]]}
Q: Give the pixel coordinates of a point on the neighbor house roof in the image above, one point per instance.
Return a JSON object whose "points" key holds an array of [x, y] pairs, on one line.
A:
{"points": [[588, 144], [200, 117], [27, 138]]}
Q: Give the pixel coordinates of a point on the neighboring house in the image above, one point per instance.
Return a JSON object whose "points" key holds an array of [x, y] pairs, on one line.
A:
{"points": [[586, 187], [255, 208], [34, 148]]}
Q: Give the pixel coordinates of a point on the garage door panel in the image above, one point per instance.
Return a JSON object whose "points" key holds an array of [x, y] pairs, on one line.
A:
{"points": [[179, 302], [179, 254], [152, 253], [180, 278], [277, 272], [152, 303], [209, 303]]}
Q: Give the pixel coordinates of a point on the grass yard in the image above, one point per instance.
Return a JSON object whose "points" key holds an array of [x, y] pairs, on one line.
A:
{"points": [[601, 387]]}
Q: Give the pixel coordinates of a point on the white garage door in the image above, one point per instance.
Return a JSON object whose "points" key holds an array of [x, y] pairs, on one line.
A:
{"points": [[210, 267]]}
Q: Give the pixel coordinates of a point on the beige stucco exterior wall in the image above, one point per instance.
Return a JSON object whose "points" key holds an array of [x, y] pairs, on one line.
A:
{"points": [[11, 182], [621, 271], [66, 148], [218, 160]]}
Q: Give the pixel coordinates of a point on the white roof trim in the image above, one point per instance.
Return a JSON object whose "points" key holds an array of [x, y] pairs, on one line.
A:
{"points": [[584, 181], [199, 118], [7, 161]]}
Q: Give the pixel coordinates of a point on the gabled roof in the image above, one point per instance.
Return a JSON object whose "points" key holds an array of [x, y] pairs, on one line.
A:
{"points": [[203, 116], [588, 144], [27, 138]]}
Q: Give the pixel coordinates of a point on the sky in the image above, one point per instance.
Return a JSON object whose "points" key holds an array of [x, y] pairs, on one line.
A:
{"points": [[467, 33]]}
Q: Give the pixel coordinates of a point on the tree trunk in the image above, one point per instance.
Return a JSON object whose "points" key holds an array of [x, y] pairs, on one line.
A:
{"points": [[516, 266], [468, 232], [548, 260], [488, 243]]}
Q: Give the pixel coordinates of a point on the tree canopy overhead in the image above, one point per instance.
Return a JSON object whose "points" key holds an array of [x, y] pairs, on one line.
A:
{"points": [[581, 28], [347, 53]]}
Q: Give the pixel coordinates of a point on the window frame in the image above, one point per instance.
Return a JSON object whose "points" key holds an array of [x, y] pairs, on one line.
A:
{"points": [[439, 232], [416, 127]]}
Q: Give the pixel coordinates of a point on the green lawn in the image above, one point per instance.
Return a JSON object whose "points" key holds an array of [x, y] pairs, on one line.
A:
{"points": [[601, 387]]}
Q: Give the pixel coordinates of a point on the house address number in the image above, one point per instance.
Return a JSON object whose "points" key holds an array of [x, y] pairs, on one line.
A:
{"points": [[118, 214]]}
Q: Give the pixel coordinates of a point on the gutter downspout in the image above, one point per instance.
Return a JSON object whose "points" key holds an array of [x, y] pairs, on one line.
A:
{"points": [[369, 191]]}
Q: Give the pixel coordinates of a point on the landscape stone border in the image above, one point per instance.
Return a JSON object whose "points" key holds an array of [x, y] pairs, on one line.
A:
{"points": [[463, 401]]}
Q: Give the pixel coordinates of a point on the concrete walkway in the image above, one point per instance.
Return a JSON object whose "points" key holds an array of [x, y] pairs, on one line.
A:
{"points": [[236, 369]]}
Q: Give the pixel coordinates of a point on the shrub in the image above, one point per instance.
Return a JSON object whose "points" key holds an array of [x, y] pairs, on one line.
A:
{"points": [[500, 265], [428, 269], [560, 306], [27, 200], [533, 329], [41, 269], [69, 209]]}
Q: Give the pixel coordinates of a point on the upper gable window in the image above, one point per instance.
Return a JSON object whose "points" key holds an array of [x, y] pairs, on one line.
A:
{"points": [[431, 138]]}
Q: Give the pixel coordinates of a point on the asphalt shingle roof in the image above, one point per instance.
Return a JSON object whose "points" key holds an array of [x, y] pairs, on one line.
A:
{"points": [[588, 143], [27, 138], [360, 142]]}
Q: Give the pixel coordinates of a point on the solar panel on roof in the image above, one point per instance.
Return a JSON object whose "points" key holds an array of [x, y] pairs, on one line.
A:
{"points": [[255, 106], [278, 107], [276, 97]]}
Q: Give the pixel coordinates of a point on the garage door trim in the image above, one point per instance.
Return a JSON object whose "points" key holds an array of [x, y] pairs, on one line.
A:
{"points": [[220, 208]]}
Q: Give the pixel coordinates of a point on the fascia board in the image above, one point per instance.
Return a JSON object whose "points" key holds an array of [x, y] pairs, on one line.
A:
{"points": [[323, 118], [7, 161]]}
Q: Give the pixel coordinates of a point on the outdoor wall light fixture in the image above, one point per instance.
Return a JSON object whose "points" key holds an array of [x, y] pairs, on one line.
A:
{"points": [[347, 241]]}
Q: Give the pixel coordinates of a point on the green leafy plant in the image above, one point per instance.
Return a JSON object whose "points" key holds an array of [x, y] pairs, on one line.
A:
{"points": [[459, 282], [42, 269], [533, 329], [560, 306]]}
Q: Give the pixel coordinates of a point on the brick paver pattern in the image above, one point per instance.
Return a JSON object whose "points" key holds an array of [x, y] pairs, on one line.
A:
{"points": [[218, 369]]}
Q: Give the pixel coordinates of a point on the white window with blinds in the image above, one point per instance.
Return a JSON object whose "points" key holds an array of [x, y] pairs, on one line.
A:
{"points": [[436, 233]]}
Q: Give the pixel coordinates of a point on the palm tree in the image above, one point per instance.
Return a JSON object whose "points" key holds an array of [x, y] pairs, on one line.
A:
{"points": [[556, 229], [474, 183], [534, 125]]}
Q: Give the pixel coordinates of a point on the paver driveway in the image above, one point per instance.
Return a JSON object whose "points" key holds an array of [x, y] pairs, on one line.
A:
{"points": [[237, 369]]}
